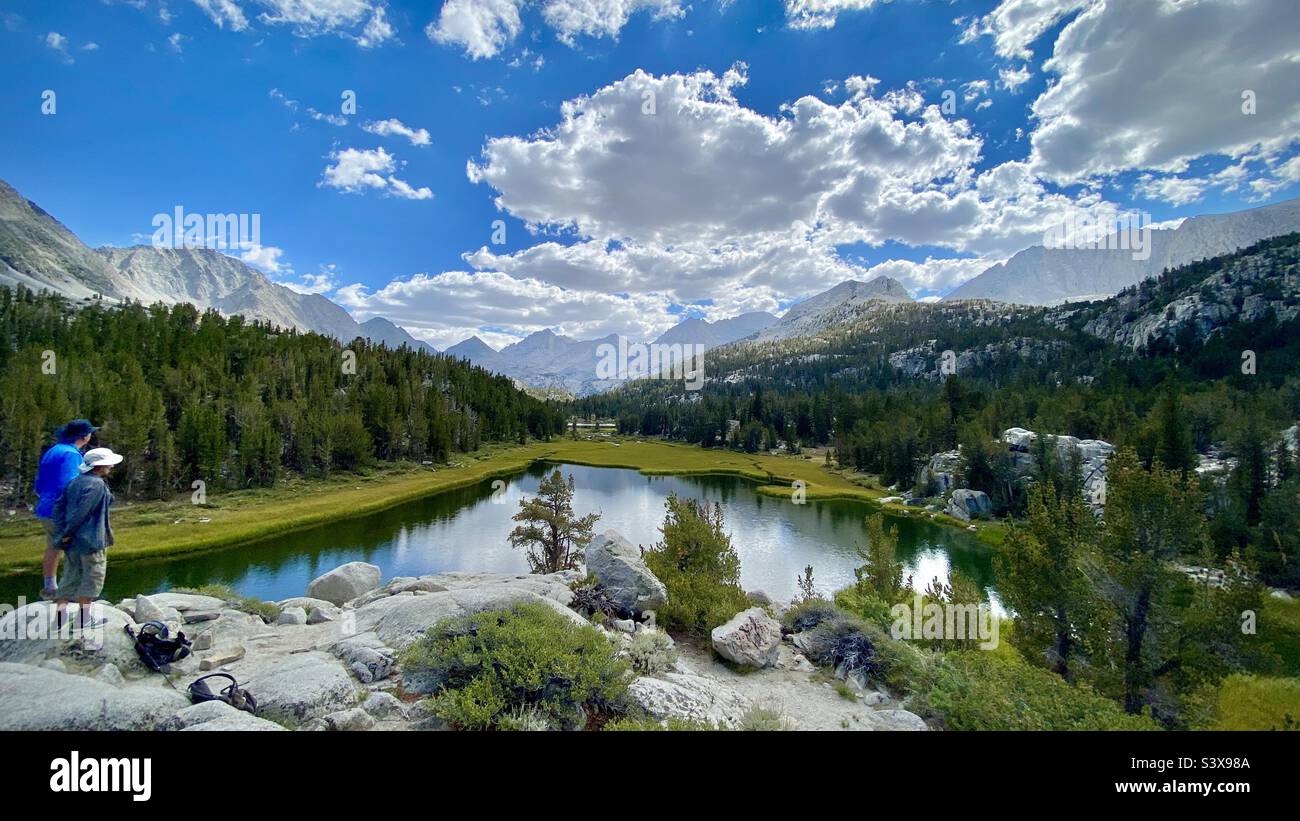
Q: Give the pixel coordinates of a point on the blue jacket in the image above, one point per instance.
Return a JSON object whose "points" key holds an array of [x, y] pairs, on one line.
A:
{"points": [[59, 466], [82, 513]]}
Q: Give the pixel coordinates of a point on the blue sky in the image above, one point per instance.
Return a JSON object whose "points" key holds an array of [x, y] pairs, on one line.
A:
{"points": [[790, 145]]}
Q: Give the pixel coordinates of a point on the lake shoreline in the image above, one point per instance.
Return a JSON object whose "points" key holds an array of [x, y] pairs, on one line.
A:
{"points": [[246, 517]]}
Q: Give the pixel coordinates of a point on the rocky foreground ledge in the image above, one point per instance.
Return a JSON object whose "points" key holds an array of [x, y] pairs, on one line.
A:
{"points": [[328, 661]]}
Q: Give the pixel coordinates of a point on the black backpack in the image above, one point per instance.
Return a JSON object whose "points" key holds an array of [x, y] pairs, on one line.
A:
{"points": [[156, 647], [232, 694]]}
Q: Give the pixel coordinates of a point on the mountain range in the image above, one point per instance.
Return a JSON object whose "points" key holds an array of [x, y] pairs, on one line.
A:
{"points": [[545, 359], [39, 252], [1047, 276]]}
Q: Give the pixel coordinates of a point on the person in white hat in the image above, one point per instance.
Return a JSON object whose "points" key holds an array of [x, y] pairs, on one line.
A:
{"points": [[83, 531]]}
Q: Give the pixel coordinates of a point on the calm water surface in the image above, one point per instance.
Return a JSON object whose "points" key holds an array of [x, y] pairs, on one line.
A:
{"points": [[467, 529]]}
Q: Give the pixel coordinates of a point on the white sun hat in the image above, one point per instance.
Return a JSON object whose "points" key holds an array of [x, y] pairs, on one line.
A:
{"points": [[95, 457]]}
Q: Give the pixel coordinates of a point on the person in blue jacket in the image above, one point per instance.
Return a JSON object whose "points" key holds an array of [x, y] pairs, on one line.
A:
{"points": [[59, 466]]}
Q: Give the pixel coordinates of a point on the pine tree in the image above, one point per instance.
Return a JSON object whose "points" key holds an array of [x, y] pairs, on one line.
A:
{"points": [[551, 534], [1041, 577]]}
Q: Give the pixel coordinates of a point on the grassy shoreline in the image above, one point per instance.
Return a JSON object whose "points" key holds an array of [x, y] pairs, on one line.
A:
{"points": [[156, 530]]}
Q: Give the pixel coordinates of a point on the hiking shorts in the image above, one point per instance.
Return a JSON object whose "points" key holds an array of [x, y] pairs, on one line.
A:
{"points": [[50, 543], [83, 575]]}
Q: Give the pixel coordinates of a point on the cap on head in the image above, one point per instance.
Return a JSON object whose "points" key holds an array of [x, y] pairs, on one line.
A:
{"points": [[99, 457], [74, 430]]}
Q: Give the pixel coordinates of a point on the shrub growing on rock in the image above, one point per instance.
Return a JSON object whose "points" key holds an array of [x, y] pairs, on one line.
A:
{"points": [[517, 667], [646, 724], [652, 651], [590, 599], [765, 720]]}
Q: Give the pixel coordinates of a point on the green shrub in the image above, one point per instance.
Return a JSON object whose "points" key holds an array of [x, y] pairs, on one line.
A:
{"points": [[764, 720], [521, 666], [1248, 702], [862, 602], [652, 651], [646, 724], [698, 566], [979, 690]]}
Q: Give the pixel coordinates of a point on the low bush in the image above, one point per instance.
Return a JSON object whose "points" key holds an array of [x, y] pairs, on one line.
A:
{"points": [[843, 642], [527, 665], [865, 604], [979, 690], [644, 724], [592, 600], [808, 615], [652, 651], [764, 720], [1248, 702]]}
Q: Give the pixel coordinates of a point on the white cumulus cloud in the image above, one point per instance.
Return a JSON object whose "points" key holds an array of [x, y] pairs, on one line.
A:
{"points": [[355, 170]]}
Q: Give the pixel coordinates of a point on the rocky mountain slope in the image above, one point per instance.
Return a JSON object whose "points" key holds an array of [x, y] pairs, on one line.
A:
{"points": [[1234, 294], [1192, 304], [39, 252], [834, 306], [1042, 276]]}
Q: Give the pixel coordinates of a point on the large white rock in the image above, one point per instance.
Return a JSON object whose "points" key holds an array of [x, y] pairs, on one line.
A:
{"points": [[34, 698], [345, 583], [894, 720], [148, 610], [688, 697], [367, 657], [301, 686], [308, 604], [216, 715], [627, 581], [400, 620], [967, 504], [751, 638], [188, 602], [940, 471], [29, 635]]}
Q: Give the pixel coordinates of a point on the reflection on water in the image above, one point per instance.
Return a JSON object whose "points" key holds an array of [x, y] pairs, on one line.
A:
{"points": [[467, 529]]}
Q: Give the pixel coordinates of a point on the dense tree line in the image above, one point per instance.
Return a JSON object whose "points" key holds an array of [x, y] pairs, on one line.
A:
{"points": [[186, 395]]}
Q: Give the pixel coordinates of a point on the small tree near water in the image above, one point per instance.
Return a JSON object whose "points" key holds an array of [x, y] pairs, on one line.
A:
{"points": [[551, 535], [699, 567]]}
